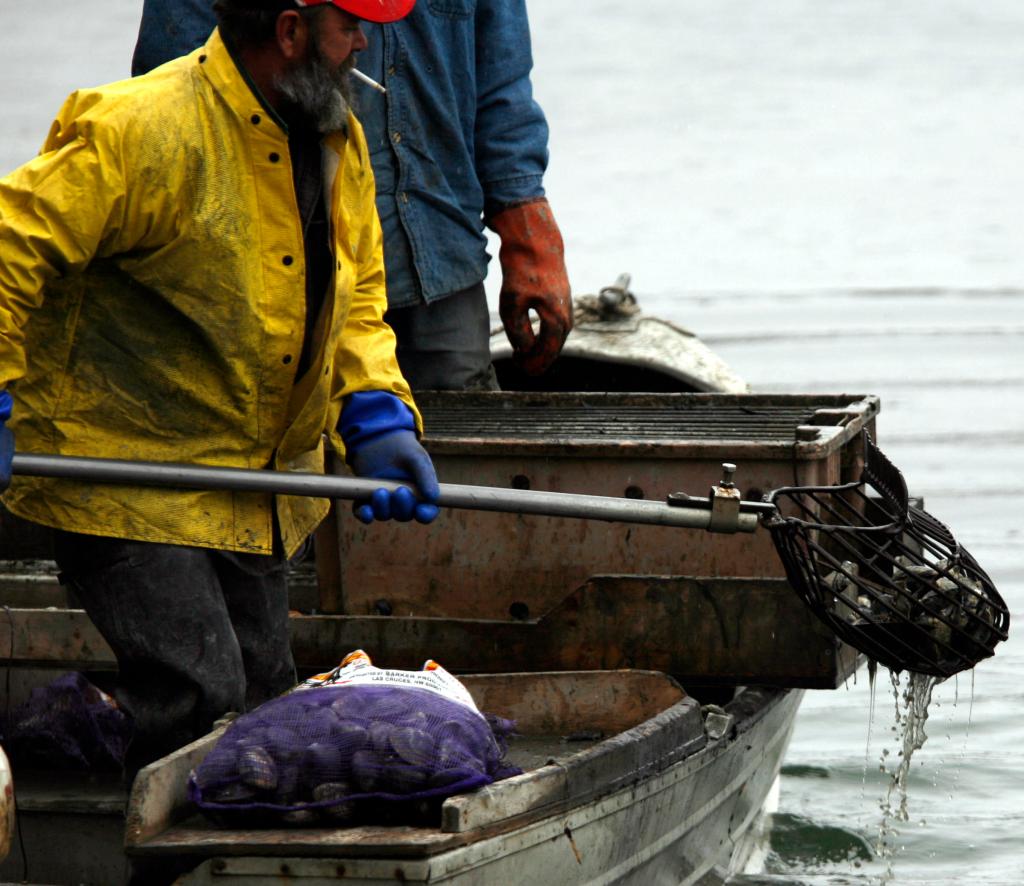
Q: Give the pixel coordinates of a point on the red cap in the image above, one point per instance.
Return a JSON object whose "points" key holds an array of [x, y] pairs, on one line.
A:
{"points": [[379, 11]]}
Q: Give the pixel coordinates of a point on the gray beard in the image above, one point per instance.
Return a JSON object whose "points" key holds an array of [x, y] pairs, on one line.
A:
{"points": [[322, 94]]}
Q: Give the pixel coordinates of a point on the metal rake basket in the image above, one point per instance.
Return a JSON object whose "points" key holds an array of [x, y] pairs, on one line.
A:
{"points": [[885, 576]]}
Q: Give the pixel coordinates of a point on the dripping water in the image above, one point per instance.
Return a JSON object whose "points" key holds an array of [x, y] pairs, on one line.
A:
{"points": [[911, 702], [872, 686], [962, 756]]}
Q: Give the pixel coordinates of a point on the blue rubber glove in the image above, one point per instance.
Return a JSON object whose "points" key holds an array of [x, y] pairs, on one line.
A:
{"points": [[380, 442], [6, 439]]}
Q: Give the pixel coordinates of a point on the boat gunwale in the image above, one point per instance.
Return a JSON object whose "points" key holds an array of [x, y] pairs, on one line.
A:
{"points": [[833, 420]]}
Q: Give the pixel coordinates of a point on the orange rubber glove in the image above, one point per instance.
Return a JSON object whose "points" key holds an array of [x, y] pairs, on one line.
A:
{"points": [[532, 260]]}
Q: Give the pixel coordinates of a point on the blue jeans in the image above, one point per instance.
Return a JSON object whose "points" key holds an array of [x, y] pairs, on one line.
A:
{"points": [[196, 632]]}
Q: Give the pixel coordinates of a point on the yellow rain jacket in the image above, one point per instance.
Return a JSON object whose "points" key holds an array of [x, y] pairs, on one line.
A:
{"points": [[152, 305]]}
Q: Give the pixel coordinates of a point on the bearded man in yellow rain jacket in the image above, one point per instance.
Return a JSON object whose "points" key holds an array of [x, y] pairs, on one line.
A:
{"points": [[191, 271]]}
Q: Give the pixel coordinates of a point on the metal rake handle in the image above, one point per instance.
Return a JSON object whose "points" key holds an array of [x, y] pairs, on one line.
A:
{"points": [[694, 514]]}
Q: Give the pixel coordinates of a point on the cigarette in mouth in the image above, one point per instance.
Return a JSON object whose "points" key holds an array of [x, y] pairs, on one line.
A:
{"points": [[369, 81]]}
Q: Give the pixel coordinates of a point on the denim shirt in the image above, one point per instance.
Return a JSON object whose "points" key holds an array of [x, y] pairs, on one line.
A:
{"points": [[458, 134]]}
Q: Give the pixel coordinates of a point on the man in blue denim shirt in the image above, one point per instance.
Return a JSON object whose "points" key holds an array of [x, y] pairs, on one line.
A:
{"points": [[457, 141]]}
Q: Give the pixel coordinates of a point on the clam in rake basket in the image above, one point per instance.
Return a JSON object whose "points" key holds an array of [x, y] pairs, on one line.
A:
{"points": [[885, 576]]}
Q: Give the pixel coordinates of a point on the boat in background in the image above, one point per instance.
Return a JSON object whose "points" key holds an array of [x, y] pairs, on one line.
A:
{"points": [[614, 346]]}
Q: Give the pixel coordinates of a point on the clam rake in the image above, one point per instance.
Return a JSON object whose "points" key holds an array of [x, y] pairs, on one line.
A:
{"points": [[884, 576]]}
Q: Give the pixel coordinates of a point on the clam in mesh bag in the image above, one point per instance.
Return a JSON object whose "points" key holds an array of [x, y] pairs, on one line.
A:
{"points": [[68, 724], [337, 752]]}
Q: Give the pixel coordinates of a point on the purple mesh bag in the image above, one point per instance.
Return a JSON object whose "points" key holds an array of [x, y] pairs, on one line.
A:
{"points": [[68, 724], [336, 753]]}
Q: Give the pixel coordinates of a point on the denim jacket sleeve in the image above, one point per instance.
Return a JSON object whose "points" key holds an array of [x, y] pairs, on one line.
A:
{"points": [[511, 132], [170, 28]]}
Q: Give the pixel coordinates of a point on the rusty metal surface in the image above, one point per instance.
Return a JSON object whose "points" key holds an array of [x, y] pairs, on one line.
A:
{"points": [[561, 703], [706, 630], [489, 565], [53, 636], [195, 836], [70, 828], [726, 631], [30, 584], [483, 565], [669, 425], [478, 565], [328, 564]]}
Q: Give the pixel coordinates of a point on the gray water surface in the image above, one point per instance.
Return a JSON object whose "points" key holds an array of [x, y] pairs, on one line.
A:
{"points": [[828, 192]]}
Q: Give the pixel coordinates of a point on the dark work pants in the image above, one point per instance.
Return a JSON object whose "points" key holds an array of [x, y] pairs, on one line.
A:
{"points": [[445, 345], [196, 632]]}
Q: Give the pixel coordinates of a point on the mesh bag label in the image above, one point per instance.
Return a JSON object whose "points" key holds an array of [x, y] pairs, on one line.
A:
{"points": [[357, 669]]}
